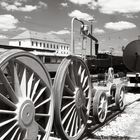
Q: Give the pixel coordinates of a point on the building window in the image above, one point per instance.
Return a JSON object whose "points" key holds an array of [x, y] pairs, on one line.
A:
{"points": [[51, 45], [57, 46], [40, 44], [54, 46], [47, 45], [36, 43], [19, 43], [32, 43], [44, 45]]}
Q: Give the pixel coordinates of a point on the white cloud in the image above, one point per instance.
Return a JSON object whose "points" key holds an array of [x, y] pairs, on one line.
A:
{"points": [[61, 32], [18, 6], [42, 4], [98, 31], [80, 15], [7, 22], [119, 6], [80, 2], [111, 6], [121, 25], [64, 4], [17, 3], [27, 8], [3, 36]]}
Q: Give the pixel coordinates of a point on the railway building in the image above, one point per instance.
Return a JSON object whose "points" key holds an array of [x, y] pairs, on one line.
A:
{"points": [[49, 48]]}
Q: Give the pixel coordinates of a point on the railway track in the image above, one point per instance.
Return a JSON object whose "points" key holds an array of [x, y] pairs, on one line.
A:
{"points": [[92, 127]]}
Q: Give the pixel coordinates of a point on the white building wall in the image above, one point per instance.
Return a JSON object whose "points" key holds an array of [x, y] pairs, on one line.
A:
{"points": [[22, 43], [26, 43], [14, 43], [62, 49]]}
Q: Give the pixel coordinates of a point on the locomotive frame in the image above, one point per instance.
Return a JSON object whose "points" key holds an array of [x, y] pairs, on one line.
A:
{"points": [[30, 103]]}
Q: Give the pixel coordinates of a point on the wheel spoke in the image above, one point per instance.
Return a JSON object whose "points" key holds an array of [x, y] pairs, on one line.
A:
{"points": [[82, 76], [7, 122], [15, 132], [79, 117], [39, 94], [34, 89], [8, 87], [16, 83], [76, 124], [73, 123], [69, 122], [68, 105], [68, 90], [7, 132], [85, 80], [42, 115], [41, 129], [100, 105], [7, 112], [68, 97], [42, 103], [7, 101], [30, 85], [86, 88], [99, 113], [19, 136], [65, 118], [79, 84], [23, 84], [101, 116], [80, 70]]}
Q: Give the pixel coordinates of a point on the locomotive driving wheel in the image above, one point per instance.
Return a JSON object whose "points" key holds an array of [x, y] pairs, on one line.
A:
{"points": [[72, 88], [26, 99], [100, 106], [120, 97]]}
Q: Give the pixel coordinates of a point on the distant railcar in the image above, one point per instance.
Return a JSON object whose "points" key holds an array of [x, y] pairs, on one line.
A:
{"points": [[101, 63]]}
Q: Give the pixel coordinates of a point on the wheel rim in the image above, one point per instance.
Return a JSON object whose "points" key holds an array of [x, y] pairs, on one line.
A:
{"points": [[26, 110], [102, 108], [121, 99], [73, 87]]}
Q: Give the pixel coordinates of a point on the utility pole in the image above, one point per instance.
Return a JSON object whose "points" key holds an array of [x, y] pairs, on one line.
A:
{"points": [[91, 40], [91, 31]]}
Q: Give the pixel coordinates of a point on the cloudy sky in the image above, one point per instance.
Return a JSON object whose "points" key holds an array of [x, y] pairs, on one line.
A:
{"points": [[116, 22]]}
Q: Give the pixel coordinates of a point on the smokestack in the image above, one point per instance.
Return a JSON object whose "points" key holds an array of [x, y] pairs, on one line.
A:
{"points": [[96, 48]]}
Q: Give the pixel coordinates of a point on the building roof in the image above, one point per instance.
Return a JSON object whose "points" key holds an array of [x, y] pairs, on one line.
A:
{"points": [[28, 34]]}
